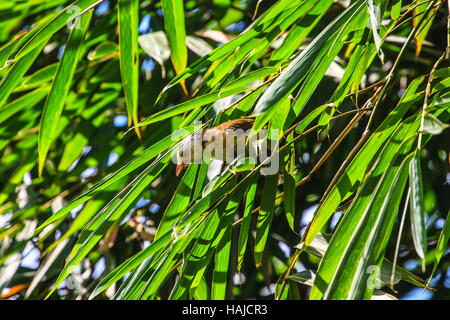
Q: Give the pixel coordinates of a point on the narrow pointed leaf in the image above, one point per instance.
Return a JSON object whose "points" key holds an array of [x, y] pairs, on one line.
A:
{"points": [[418, 229], [128, 17], [60, 88], [174, 24]]}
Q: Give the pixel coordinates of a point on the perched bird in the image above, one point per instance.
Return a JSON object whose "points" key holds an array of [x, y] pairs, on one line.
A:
{"points": [[223, 142]]}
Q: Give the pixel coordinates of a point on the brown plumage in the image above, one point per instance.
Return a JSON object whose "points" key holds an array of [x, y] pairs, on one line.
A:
{"points": [[185, 152], [243, 124]]}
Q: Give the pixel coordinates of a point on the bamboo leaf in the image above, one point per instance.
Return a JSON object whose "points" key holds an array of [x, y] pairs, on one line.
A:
{"points": [[265, 216], [433, 125], [132, 165], [375, 25], [441, 245], [263, 22], [247, 218], [55, 23], [220, 274], [235, 87], [289, 185], [128, 17], [62, 82], [362, 161], [131, 264], [15, 74], [112, 212], [296, 71], [396, 9], [179, 202], [417, 206], [344, 270], [28, 100], [174, 24]]}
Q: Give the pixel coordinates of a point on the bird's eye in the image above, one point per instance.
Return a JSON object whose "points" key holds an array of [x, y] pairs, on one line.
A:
{"points": [[181, 153]]}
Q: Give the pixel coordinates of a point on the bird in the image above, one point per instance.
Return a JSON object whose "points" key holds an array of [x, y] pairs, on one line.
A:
{"points": [[223, 142]]}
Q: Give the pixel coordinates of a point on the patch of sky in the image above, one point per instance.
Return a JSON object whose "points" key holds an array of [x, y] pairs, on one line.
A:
{"points": [[154, 208], [148, 64], [142, 202], [285, 248], [4, 219], [30, 257], [236, 279], [112, 158], [88, 172], [102, 8], [411, 264], [120, 121], [335, 219], [27, 179], [418, 294], [61, 51], [236, 27], [267, 291], [99, 268], [447, 279], [75, 211], [144, 25], [439, 224]]}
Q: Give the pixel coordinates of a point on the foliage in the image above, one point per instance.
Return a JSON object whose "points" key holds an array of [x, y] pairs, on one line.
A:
{"points": [[91, 93]]}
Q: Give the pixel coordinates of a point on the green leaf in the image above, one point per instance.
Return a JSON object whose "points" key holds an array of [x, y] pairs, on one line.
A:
{"points": [[424, 28], [345, 271], [433, 125], [38, 78], [297, 69], [131, 264], [289, 184], [198, 258], [209, 238], [112, 212], [310, 118], [155, 44], [103, 50], [355, 171], [164, 267], [235, 87], [299, 31], [175, 30], [132, 165], [263, 22], [179, 202], [396, 9], [375, 25], [62, 82], [15, 74], [246, 219], [304, 277], [220, 274], [265, 216], [417, 210], [442, 244], [55, 23], [128, 17], [28, 100]]}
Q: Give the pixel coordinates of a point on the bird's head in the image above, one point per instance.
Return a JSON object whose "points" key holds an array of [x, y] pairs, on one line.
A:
{"points": [[190, 150]]}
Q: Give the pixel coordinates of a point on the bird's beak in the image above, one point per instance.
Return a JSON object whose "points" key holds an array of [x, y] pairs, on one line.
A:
{"points": [[180, 167]]}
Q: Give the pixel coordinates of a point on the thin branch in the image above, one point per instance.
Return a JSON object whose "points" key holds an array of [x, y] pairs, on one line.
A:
{"points": [[321, 161], [390, 75], [397, 246], [427, 95]]}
